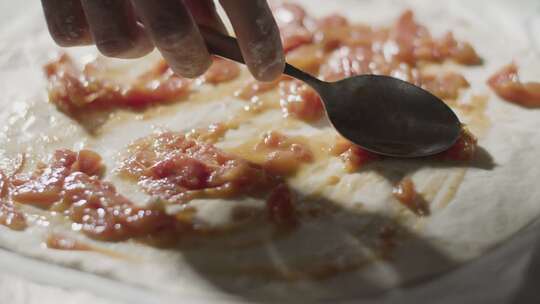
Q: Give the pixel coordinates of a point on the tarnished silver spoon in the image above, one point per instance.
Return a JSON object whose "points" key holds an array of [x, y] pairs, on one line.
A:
{"points": [[382, 114]]}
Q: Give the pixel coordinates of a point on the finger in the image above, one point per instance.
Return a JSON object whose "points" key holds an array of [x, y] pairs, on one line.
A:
{"points": [[258, 36], [174, 32], [115, 30], [66, 22], [204, 12]]}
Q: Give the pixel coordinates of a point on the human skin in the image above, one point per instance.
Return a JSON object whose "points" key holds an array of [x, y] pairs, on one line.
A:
{"points": [[132, 28]]}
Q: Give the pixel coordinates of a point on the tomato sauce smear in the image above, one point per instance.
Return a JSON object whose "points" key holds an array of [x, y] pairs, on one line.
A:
{"points": [[334, 49], [74, 90], [405, 192], [169, 166], [507, 85], [70, 184], [176, 168], [283, 154]]}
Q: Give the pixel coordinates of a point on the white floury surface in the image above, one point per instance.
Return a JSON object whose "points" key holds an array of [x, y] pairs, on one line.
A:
{"points": [[495, 205], [17, 290]]}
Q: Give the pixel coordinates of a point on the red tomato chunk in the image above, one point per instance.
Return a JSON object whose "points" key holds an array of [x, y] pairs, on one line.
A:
{"points": [[507, 85]]}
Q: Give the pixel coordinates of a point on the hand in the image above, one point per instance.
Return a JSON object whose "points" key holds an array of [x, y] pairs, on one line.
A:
{"points": [[131, 28]]}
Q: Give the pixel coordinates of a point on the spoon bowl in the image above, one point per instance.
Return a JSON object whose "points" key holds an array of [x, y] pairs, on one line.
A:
{"points": [[381, 114], [389, 116]]}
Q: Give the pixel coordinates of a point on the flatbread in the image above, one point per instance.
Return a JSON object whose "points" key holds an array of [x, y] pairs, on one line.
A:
{"points": [[473, 208]]}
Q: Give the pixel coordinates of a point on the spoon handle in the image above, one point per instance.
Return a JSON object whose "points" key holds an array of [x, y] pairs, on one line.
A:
{"points": [[222, 45], [227, 47], [295, 72]]}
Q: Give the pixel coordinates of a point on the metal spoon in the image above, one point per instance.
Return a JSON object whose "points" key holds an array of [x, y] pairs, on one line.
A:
{"points": [[382, 114]]}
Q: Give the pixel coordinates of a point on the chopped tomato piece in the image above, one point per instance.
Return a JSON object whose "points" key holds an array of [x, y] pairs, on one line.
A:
{"points": [[107, 215], [72, 90], [463, 150], [301, 101], [276, 141], [407, 34], [44, 187], [60, 242], [290, 19], [353, 156], [332, 21], [184, 171], [445, 86], [88, 162], [252, 88], [70, 182], [306, 57], [211, 134], [221, 70], [9, 215], [507, 85], [284, 154], [289, 13], [461, 52], [415, 43], [356, 157], [294, 35]]}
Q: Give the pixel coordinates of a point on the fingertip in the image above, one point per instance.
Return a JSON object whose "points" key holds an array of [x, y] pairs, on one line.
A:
{"points": [[71, 40], [258, 37], [126, 47], [142, 48], [269, 71], [66, 22], [174, 32], [185, 51], [194, 68], [115, 29], [264, 55], [112, 47], [116, 49]]}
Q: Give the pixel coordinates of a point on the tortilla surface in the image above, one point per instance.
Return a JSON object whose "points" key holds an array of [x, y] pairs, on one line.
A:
{"points": [[473, 208]]}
